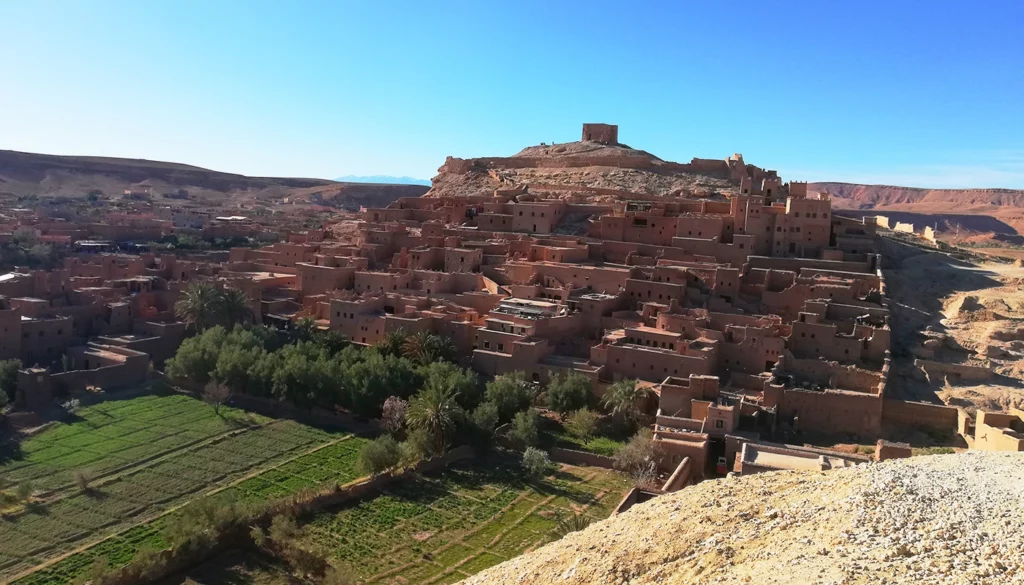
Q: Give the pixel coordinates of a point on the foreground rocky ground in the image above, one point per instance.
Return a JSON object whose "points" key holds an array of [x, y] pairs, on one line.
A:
{"points": [[943, 519]]}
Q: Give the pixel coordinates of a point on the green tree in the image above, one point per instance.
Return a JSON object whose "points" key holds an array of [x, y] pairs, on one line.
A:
{"points": [[568, 392], [463, 382], [304, 329], [234, 307], [536, 462], [9, 379], [510, 393], [582, 424], [378, 456], [436, 411], [623, 400], [485, 417], [425, 348], [526, 428], [197, 357], [199, 305], [416, 446], [393, 343]]}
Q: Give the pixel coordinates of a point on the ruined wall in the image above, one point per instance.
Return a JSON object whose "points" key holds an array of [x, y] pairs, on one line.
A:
{"points": [[937, 417], [833, 411]]}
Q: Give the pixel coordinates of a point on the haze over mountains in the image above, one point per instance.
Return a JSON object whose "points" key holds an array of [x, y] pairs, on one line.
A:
{"points": [[385, 179]]}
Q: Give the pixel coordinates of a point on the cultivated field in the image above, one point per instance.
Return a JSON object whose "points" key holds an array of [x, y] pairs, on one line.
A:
{"points": [[149, 456], [440, 529], [444, 528]]}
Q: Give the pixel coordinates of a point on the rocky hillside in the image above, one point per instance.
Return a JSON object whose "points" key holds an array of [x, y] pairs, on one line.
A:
{"points": [[951, 211], [941, 519], [23, 173], [585, 171], [854, 196]]}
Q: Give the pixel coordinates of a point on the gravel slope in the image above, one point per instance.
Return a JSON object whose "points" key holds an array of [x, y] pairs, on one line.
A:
{"points": [[946, 519]]}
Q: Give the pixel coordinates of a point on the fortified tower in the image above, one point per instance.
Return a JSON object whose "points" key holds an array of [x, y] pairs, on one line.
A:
{"points": [[603, 133]]}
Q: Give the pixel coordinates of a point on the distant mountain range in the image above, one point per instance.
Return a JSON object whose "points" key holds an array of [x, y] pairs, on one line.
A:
{"points": [[383, 179]]}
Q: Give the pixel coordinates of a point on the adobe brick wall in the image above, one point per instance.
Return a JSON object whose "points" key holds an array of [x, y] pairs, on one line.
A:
{"points": [[938, 417], [574, 457]]}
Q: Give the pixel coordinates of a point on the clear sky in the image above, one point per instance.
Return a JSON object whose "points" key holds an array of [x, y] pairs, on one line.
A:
{"points": [[897, 92]]}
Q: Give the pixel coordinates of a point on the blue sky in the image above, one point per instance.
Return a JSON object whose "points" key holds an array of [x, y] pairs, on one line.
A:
{"points": [[880, 92]]}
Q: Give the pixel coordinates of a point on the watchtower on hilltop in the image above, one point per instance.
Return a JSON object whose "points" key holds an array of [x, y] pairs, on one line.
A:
{"points": [[603, 133]]}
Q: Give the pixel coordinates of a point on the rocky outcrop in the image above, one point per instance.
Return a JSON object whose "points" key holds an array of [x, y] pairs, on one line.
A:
{"points": [[600, 171], [941, 519]]}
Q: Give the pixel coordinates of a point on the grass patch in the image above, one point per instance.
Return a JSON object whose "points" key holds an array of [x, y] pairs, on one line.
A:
{"points": [[205, 451]]}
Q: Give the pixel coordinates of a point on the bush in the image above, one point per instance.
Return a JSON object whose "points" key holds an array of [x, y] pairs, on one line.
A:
{"points": [[536, 462], [570, 524], [582, 424], [638, 456], [83, 479], [379, 456], [486, 417], [568, 392], [510, 393], [24, 491], [416, 446], [9, 379], [526, 428]]}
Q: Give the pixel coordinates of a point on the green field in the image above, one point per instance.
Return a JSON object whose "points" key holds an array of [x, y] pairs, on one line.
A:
{"points": [[150, 455], [439, 529], [445, 528]]}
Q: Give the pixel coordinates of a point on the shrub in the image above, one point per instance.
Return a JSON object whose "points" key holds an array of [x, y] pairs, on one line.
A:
{"points": [[536, 462], [568, 392], [378, 456], [486, 417], [570, 524], [83, 479], [638, 456], [416, 446], [582, 424], [525, 428], [24, 491], [9, 378]]}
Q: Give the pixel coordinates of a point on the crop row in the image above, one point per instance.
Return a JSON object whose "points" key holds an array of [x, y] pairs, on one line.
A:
{"points": [[470, 517], [114, 434], [168, 481]]}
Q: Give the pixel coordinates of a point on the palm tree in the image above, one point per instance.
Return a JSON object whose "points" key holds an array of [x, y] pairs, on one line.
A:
{"points": [[304, 329], [623, 398], [435, 411], [571, 524], [415, 346], [235, 307], [439, 348], [393, 342], [199, 305]]}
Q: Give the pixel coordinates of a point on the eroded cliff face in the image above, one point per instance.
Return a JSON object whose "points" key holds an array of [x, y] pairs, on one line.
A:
{"points": [[944, 519], [856, 196]]}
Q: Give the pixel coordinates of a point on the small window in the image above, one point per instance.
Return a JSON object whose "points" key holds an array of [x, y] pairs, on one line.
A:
{"points": [[719, 424]]}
